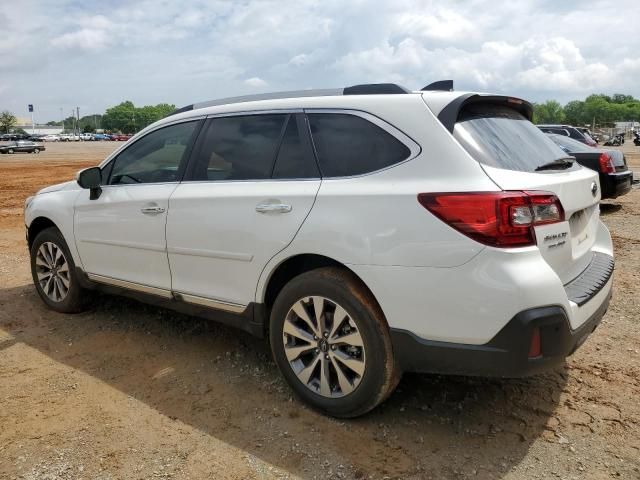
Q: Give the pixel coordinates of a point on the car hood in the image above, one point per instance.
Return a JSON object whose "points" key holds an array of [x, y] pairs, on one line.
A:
{"points": [[70, 185]]}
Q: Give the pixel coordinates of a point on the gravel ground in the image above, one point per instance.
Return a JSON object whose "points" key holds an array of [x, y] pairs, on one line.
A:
{"points": [[131, 391]]}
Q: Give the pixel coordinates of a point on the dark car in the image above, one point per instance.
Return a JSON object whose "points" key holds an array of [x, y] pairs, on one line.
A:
{"points": [[22, 146], [611, 165], [569, 131]]}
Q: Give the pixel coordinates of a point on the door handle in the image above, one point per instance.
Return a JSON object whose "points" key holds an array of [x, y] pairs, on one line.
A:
{"points": [[151, 210], [273, 208]]}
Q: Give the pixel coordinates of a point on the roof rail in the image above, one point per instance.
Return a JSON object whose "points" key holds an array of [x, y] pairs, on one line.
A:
{"points": [[365, 89], [440, 85]]}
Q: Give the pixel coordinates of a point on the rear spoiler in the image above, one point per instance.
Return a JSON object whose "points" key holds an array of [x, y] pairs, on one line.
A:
{"points": [[448, 116]]}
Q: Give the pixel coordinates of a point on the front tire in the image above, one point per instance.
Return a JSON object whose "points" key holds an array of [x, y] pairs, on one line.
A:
{"points": [[37, 150], [10, 151], [331, 342], [54, 274]]}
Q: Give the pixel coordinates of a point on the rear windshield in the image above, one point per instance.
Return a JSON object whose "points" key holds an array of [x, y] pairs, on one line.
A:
{"points": [[570, 144], [501, 137]]}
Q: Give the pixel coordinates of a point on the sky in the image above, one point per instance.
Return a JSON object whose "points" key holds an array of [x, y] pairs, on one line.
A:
{"points": [[59, 54]]}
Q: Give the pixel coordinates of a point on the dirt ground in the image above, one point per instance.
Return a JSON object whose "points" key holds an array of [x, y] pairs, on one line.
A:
{"points": [[132, 391]]}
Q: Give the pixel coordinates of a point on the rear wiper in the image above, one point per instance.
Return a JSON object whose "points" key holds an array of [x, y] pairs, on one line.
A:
{"points": [[557, 164]]}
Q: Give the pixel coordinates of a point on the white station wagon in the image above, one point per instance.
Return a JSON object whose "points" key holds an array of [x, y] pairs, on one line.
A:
{"points": [[364, 231]]}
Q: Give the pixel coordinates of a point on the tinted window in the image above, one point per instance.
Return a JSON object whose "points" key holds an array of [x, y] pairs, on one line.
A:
{"points": [[350, 145], [239, 148], [557, 131], [574, 133], [501, 137], [570, 144], [295, 159], [155, 157]]}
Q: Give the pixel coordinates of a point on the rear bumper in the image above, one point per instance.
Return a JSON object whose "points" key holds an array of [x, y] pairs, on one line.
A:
{"points": [[616, 184], [507, 354]]}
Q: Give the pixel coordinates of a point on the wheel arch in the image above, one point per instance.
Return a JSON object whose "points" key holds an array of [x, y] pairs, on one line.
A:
{"points": [[296, 265], [37, 225]]}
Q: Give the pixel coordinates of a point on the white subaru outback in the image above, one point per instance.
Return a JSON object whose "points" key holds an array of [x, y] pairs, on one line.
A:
{"points": [[365, 231]]}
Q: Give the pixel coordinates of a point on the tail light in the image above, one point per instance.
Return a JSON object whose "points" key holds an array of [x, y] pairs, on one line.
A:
{"points": [[606, 163], [499, 219]]}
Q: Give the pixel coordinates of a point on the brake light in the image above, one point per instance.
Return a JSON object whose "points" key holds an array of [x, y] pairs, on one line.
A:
{"points": [[498, 219], [606, 163]]}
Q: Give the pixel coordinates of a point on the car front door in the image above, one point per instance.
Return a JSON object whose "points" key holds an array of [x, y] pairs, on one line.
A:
{"points": [[120, 236], [251, 183]]}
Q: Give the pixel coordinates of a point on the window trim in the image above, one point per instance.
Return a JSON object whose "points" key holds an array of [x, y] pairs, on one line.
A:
{"points": [[291, 113], [182, 166], [414, 147]]}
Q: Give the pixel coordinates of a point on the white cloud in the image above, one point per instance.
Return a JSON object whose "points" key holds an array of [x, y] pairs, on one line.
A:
{"points": [[255, 82], [84, 39], [180, 52]]}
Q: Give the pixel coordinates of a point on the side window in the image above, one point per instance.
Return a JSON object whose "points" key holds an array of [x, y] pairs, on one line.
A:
{"points": [[155, 157], [295, 157], [239, 147], [350, 145]]}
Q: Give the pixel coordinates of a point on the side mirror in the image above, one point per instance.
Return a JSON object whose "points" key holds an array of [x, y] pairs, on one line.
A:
{"points": [[90, 178]]}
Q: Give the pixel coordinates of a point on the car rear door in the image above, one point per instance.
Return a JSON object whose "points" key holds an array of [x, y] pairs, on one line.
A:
{"points": [[120, 235], [251, 183], [514, 153]]}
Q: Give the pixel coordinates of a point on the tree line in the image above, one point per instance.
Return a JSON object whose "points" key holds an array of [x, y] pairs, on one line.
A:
{"points": [[598, 109], [124, 118]]}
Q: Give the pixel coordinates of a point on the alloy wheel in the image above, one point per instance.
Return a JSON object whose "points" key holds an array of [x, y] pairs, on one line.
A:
{"points": [[52, 270], [324, 347]]}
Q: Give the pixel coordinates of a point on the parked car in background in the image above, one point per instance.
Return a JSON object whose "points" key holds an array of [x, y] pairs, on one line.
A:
{"points": [[615, 176], [14, 137], [69, 137], [586, 131], [101, 137], [121, 137], [365, 231], [51, 138], [86, 137], [569, 131], [22, 146]]}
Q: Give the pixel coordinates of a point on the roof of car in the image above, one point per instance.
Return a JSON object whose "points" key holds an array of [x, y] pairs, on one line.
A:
{"points": [[441, 100]]}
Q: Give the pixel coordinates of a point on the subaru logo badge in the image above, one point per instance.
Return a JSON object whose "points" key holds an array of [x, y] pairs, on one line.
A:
{"points": [[594, 188]]}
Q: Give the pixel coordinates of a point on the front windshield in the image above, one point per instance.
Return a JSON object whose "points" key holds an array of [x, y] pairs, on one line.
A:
{"points": [[501, 137]]}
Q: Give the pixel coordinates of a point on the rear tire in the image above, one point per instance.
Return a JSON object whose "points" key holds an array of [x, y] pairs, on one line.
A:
{"points": [[37, 150], [54, 273], [10, 151], [352, 336]]}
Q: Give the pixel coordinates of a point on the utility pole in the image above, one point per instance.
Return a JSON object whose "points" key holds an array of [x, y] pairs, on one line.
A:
{"points": [[78, 113], [33, 125], [62, 115]]}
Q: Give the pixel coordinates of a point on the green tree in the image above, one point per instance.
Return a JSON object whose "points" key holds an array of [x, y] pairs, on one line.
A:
{"points": [[548, 112], [128, 118], [574, 113], [7, 121], [622, 98]]}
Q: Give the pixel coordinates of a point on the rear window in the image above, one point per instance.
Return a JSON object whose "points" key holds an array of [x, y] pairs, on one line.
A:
{"points": [[570, 144], [501, 137]]}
